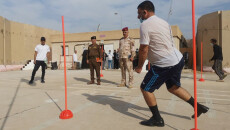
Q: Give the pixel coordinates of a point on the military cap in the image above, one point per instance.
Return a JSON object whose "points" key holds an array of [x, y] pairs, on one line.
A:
{"points": [[93, 37], [125, 29]]}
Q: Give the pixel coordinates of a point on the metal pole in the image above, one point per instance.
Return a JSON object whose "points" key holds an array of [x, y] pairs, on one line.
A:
{"points": [[194, 62], [64, 62], [66, 114], [121, 18], [201, 62], [98, 27], [4, 41], [121, 21]]}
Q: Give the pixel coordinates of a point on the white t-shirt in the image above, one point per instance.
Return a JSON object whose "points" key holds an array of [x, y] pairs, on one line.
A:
{"points": [[42, 50], [75, 57], [157, 34], [110, 56]]}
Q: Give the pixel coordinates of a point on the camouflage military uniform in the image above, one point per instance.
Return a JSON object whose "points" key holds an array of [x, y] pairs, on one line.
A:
{"points": [[94, 52], [126, 51]]}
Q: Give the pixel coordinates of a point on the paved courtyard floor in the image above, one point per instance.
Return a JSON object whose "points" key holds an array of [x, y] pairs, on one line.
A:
{"points": [[105, 107]]}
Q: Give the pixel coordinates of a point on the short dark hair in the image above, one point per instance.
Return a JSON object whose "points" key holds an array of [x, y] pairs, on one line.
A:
{"points": [[146, 5], [93, 37], [213, 40], [43, 39]]}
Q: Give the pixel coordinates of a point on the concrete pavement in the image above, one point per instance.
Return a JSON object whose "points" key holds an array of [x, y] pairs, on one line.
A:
{"points": [[37, 106]]}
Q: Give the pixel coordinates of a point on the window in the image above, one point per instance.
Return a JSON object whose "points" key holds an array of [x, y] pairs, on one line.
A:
{"points": [[66, 50]]}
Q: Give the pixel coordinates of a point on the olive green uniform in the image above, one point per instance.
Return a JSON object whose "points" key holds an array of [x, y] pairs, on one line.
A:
{"points": [[94, 52]]}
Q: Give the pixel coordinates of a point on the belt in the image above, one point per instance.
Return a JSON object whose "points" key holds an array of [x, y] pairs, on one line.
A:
{"points": [[93, 57]]}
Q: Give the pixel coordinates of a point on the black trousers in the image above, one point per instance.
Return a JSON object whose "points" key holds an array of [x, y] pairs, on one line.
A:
{"points": [[218, 68], [116, 64], [36, 67]]}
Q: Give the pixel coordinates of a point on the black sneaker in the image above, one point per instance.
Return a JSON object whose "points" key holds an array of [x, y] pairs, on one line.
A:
{"points": [[31, 82], [200, 109], [42, 81], [224, 76], [153, 122]]}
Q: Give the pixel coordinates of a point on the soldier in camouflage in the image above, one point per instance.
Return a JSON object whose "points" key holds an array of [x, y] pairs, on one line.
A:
{"points": [[126, 56]]}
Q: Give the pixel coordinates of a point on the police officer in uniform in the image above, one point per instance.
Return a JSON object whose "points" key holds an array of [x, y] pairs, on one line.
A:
{"points": [[126, 56], [94, 52]]}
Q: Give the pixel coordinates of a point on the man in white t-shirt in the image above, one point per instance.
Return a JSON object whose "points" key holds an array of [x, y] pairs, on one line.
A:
{"points": [[41, 54], [75, 59], [156, 44], [110, 59]]}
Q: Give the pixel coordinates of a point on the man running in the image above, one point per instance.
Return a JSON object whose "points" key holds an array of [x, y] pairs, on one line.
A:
{"points": [[156, 43], [218, 58]]}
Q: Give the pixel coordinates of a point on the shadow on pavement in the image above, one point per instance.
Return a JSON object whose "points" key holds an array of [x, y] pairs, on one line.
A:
{"points": [[115, 104], [82, 79], [219, 110], [11, 105], [34, 83], [102, 80], [53, 101], [107, 81], [196, 78], [123, 107], [176, 115]]}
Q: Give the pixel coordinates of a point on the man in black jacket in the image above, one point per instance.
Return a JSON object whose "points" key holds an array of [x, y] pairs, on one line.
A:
{"points": [[218, 58]]}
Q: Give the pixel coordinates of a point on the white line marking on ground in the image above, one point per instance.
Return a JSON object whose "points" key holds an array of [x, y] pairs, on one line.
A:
{"points": [[51, 101], [214, 99], [99, 89], [50, 122], [208, 101], [215, 94], [214, 90], [171, 104], [103, 86], [136, 99]]}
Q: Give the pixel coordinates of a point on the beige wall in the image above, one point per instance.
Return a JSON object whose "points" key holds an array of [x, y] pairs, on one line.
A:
{"points": [[213, 25], [207, 28], [80, 40], [21, 40], [5, 49], [57, 49], [226, 37], [1, 40]]}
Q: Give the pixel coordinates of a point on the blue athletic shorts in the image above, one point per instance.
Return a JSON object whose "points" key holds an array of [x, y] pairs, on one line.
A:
{"points": [[156, 76]]}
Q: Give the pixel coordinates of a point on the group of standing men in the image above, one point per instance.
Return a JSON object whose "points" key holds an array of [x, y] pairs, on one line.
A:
{"points": [[126, 55]]}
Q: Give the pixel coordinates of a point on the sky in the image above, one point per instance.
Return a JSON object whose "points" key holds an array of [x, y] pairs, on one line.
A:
{"points": [[86, 15]]}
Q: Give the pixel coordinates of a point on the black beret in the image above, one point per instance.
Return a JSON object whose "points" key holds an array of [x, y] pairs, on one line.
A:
{"points": [[93, 37]]}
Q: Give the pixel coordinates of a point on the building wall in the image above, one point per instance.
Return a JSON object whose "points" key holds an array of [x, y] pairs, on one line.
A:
{"points": [[57, 49], [226, 37], [190, 55], [78, 41], [21, 40], [4, 51], [213, 25], [1, 40], [207, 28]]}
